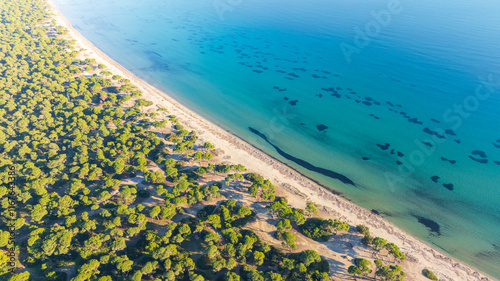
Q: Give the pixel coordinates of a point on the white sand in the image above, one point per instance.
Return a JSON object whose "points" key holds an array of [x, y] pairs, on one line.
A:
{"points": [[296, 187]]}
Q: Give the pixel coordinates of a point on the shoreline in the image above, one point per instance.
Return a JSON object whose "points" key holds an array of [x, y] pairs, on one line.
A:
{"points": [[288, 182]]}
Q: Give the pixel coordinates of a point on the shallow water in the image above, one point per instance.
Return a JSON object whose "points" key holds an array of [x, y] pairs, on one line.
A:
{"points": [[283, 69]]}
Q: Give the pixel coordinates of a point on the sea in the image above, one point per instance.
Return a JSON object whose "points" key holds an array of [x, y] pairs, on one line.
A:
{"points": [[394, 104]]}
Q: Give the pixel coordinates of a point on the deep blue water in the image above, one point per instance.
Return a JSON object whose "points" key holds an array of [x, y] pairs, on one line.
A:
{"points": [[406, 107]]}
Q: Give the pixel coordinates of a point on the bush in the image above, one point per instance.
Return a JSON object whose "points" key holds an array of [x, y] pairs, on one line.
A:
{"points": [[56, 276], [354, 270], [113, 89], [363, 229], [253, 177], [363, 264], [207, 210], [143, 193], [367, 239], [429, 274], [243, 221], [317, 229], [204, 263], [224, 169]]}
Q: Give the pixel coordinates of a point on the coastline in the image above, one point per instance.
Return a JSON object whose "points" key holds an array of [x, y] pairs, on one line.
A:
{"points": [[298, 188]]}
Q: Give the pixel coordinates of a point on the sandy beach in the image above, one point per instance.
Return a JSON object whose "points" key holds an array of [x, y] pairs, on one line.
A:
{"points": [[297, 188]]}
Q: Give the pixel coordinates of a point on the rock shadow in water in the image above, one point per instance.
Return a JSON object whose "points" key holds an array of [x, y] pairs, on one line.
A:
{"points": [[321, 127], [433, 226], [305, 164], [435, 179], [448, 186]]}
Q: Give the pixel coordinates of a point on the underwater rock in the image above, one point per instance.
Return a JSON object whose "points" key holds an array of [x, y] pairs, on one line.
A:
{"points": [[321, 127]]}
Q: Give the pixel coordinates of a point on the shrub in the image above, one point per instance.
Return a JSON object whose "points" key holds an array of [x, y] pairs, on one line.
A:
{"points": [[253, 177], [317, 229], [207, 210], [429, 274], [363, 229], [143, 193]]}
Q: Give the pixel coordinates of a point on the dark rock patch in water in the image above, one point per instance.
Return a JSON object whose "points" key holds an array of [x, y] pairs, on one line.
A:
{"points": [[496, 145], [435, 179], [458, 141], [365, 158], [384, 146], [153, 53], [428, 144], [482, 161], [496, 162], [320, 95], [448, 186], [495, 254], [433, 133], [400, 154], [375, 212], [433, 226], [448, 160], [434, 120], [399, 163], [491, 255], [285, 98], [479, 153], [307, 165], [321, 127], [293, 102], [415, 120], [329, 90], [450, 132], [367, 103], [258, 71]]}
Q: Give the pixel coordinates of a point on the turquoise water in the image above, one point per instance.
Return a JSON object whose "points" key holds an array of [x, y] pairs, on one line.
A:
{"points": [[360, 106]]}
